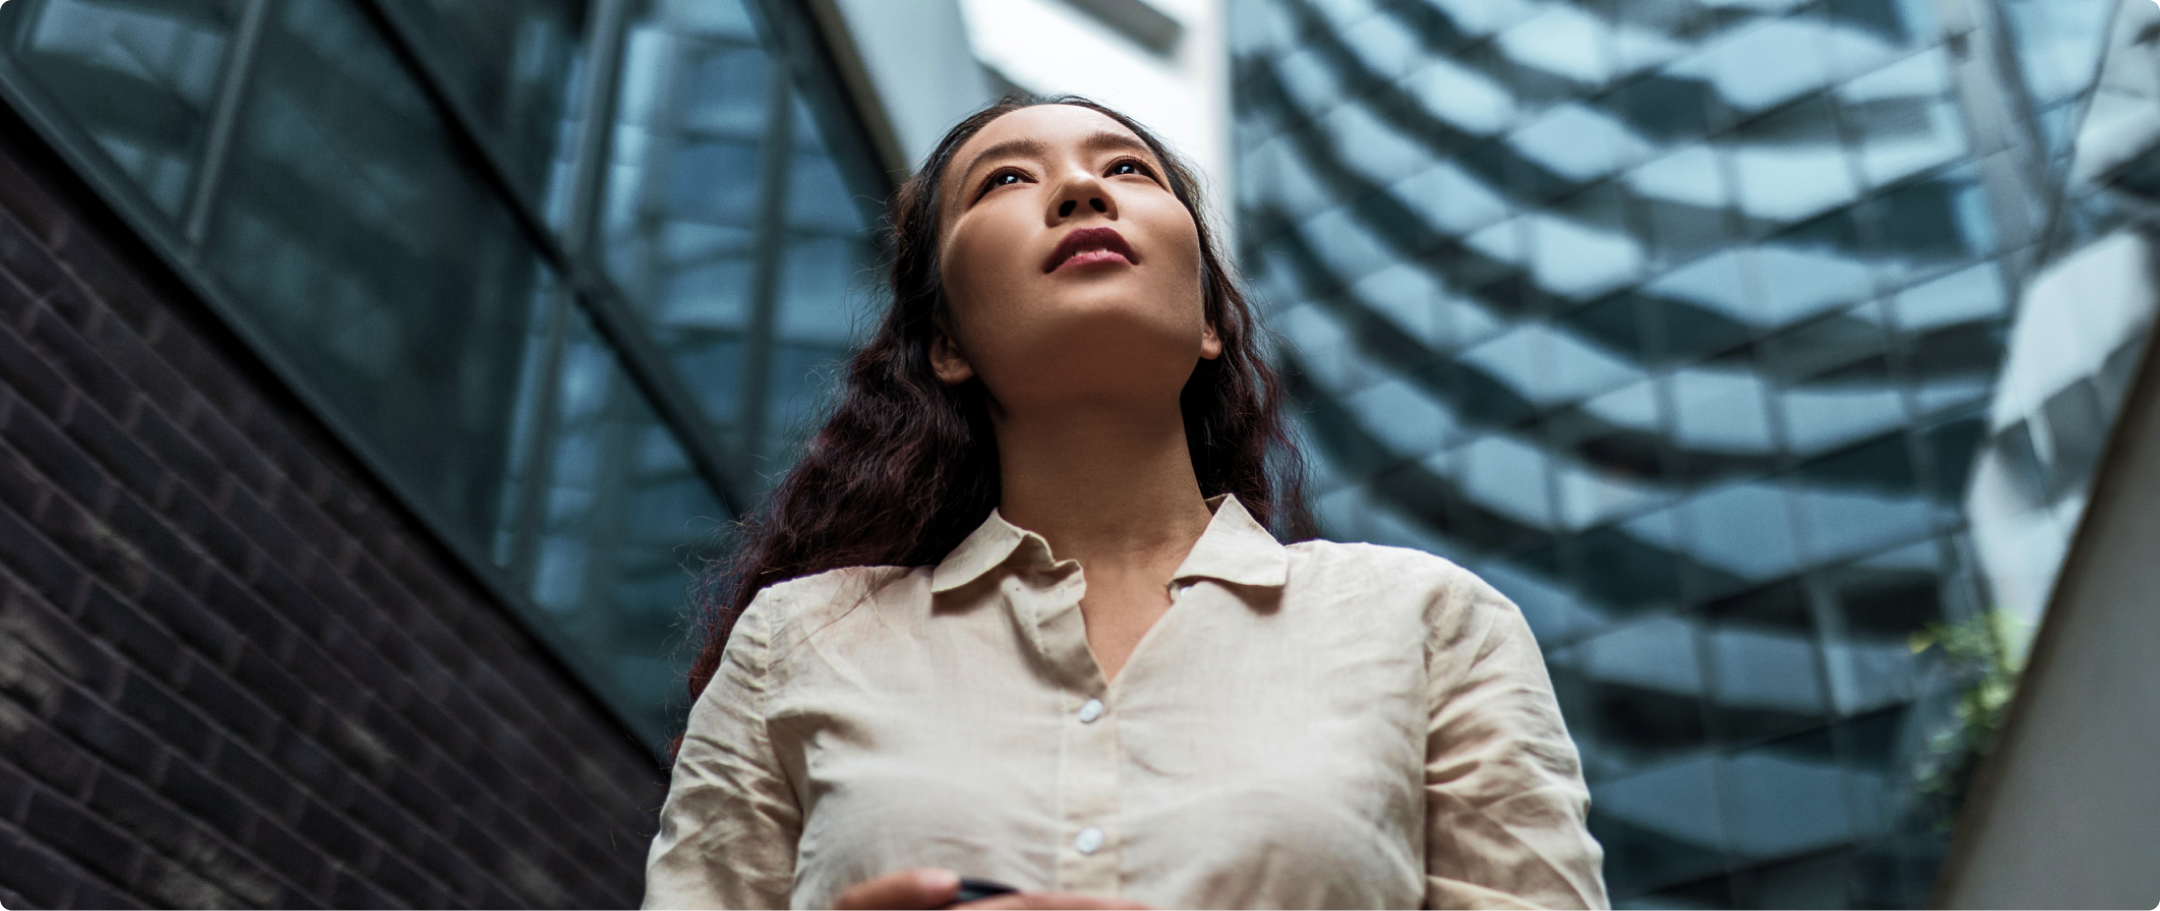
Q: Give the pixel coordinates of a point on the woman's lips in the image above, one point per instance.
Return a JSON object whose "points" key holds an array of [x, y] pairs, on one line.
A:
{"points": [[1090, 246]]}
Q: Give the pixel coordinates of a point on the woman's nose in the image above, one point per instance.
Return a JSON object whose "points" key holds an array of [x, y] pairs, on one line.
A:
{"points": [[1066, 208], [1082, 189]]}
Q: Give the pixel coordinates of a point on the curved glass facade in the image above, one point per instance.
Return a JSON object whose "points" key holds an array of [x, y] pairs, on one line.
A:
{"points": [[564, 273], [1681, 322]]}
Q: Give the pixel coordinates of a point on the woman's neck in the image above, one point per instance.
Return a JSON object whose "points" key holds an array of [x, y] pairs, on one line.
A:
{"points": [[1113, 488]]}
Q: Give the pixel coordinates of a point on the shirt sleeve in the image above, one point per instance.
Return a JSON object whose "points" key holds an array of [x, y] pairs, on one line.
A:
{"points": [[1505, 803], [729, 828]]}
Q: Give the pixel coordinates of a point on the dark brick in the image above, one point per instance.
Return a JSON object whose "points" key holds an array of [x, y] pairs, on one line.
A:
{"points": [[419, 798], [285, 596], [258, 780], [94, 894], [377, 814], [292, 858], [306, 762], [360, 748], [137, 811], [333, 833], [209, 529], [25, 550], [350, 891], [404, 880], [126, 628], [158, 545], [39, 750], [42, 878], [84, 838], [15, 788], [180, 455], [94, 546], [100, 436], [263, 628], [306, 522], [210, 800], [169, 884], [233, 451], [244, 715], [272, 684], [149, 704], [85, 256], [33, 622], [29, 261], [325, 678], [118, 740], [54, 455], [24, 371], [166, 602], [87, 371], [21, 489]]}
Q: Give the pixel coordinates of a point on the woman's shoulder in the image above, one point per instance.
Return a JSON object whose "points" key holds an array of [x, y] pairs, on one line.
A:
{"points": [[1400, 565], [818, 598], [1448, 593]]}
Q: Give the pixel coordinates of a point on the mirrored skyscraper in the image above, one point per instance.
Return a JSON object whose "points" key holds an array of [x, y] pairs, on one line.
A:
{"points": [[1682, 322]]}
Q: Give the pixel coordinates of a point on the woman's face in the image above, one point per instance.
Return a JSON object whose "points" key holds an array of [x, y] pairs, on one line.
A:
{"points": [[1072, 271]]}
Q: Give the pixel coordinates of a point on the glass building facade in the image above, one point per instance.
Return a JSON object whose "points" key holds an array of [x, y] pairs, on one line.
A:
{"points": [[1681, 321], [565, 274]]}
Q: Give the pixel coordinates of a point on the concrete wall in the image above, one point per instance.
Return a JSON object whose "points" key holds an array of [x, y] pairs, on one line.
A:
{"points": [[2065, 813]]}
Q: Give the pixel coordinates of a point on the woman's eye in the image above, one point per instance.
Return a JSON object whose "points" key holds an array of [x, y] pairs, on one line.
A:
{"points": [[1126, 167], [1006, 179]]}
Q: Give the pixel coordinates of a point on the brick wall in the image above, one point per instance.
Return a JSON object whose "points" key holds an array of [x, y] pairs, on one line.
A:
{"points": [[232, 672]]}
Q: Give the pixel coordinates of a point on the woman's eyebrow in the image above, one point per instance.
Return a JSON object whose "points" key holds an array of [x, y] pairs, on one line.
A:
{"points": [[1006, 149]]}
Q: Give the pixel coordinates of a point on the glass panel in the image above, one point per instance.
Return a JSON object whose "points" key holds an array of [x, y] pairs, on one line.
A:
{"points": [[1766, 676], [1660, 828], [374, 260], [730, 226], [513, 64], [612, 518], [140, 78]]}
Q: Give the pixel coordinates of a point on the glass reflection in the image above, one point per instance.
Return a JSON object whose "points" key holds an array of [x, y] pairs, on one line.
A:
{"points": [[141, 79], [729, 225]]}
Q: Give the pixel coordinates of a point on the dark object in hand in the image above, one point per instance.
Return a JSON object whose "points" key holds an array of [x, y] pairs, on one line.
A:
{"points": [[972, 890]]}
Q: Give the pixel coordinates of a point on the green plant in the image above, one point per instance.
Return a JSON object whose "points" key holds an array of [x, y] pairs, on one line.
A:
{"points": [[1985, 653]]}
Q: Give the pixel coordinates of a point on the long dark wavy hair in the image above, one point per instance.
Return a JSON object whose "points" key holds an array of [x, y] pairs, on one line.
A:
{"points": [[906, 467]]}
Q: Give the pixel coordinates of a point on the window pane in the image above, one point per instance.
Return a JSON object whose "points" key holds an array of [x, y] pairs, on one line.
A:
{"points": [[374, 261], [140, 78], [612, 522], [512, 63]]}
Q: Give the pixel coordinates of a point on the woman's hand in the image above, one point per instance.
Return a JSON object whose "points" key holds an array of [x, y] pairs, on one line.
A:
{"points": [[925, 888], [932, 888], [1050, 900]]}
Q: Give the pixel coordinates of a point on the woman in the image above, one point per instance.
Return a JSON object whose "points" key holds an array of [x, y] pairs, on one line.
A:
{"points": [[1017, 615]]}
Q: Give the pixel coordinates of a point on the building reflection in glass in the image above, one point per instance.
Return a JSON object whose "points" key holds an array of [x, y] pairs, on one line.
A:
{"points": [[1681, 322]]}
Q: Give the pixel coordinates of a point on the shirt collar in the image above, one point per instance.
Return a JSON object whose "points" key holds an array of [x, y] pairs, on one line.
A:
{"points": [[1234, 549]]}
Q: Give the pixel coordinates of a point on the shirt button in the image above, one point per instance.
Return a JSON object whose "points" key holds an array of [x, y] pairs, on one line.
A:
{"points": [[1090, 840], [1090, 710]]}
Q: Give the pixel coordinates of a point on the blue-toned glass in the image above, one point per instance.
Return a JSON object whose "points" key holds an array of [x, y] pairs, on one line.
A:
{"points": [[141, 79], [369, 253], [513, 65], [730, 226]]}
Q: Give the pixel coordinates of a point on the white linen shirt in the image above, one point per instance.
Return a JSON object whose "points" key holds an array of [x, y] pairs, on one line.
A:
{"points": [[1320, 725]]}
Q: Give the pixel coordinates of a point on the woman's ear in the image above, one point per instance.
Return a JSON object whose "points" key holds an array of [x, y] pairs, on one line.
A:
{"points": [[1210, 343], [945, 360]]}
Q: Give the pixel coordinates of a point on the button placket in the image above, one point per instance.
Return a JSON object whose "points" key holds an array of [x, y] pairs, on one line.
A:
{"points": [[1087, 859]]}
